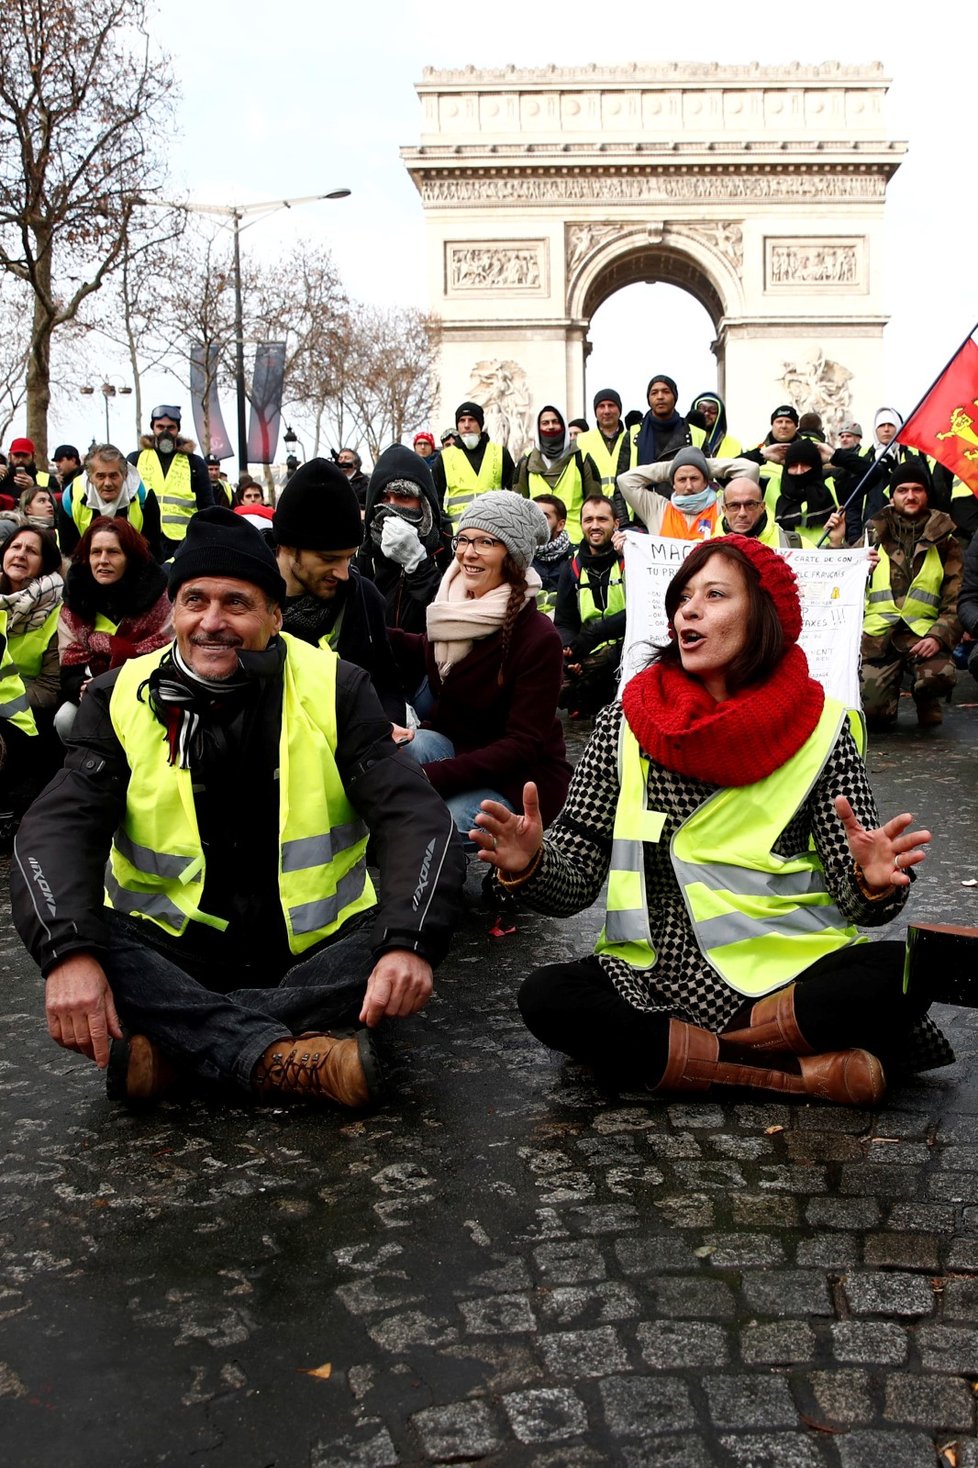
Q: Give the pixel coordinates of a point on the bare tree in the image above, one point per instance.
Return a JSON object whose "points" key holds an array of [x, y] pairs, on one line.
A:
{"points": [[83, 96], [389, 368], [13, 357]]}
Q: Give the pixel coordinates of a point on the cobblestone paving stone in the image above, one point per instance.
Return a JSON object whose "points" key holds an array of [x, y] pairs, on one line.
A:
{"points": [[502, 1265]]}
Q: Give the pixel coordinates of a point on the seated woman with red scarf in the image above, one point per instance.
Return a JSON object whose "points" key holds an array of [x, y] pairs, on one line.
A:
{"points": [[726, 800]]}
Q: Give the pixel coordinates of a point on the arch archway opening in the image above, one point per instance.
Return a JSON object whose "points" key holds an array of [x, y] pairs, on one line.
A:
{"points": [[639, 328]]}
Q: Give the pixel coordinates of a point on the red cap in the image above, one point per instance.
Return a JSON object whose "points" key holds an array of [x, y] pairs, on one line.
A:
{"points": [[22, 446], [428, 438]]}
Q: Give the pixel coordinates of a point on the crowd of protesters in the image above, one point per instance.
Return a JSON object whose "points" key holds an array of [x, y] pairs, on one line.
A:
{"points": [[470, 597]]}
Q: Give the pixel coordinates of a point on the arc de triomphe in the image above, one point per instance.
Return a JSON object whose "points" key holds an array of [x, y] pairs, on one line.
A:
{"points": [[758, 189]]}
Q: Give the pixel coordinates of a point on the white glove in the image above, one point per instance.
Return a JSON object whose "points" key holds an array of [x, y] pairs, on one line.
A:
{"points": [[401, 542]]}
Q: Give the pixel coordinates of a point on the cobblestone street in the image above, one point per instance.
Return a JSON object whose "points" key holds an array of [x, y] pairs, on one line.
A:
{"points": [[502, 1265]]}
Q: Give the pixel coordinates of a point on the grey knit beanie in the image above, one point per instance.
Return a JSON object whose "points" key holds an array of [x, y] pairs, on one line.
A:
{"points": [[518, 523], [691, 456]]}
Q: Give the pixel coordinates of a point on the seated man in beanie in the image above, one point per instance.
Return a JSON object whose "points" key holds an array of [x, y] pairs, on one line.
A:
{"points": [[472, 465], [407, 543], [231, 779], [318, 531]]}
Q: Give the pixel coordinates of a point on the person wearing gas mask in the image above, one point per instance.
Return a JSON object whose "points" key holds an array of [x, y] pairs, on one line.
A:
{"points": [[472, 466], [407, 541], [167, 464]]}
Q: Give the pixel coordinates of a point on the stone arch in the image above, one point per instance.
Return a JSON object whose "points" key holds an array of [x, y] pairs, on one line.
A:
{"points": [[760, 190]]}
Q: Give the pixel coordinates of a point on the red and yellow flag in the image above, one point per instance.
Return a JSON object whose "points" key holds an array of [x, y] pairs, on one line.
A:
{"points": [[945, 422]]}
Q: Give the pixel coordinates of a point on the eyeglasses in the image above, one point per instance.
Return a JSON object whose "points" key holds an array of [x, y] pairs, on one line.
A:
{"points": [[482, 547]]}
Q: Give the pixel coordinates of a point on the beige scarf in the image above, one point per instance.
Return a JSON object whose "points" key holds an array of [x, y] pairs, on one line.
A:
{"points": [[455, 620]]}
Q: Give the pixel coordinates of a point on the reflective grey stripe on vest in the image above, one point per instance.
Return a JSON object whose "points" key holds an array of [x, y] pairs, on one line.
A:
{"points": [[10, 668], [627, 856], [155, 863], [927, 597], [747, 883], [14, 705], [885, 595], [151, 904], [630, 925], [735, 927], [309, 916], [178, 499], [319, 851]]}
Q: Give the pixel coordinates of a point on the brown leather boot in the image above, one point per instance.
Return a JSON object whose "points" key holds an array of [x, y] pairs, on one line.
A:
{"points": [[929, 713], [773, 1027], [320, 1067], [138, 1071], [848, 1077]]}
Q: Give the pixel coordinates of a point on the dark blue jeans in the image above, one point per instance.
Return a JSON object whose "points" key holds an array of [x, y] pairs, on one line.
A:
{"points": [[220, 1037]]}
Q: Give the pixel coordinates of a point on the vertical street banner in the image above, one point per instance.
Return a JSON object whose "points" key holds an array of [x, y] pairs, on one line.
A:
{"points": [[267, 383], [945, 422], [831, 586], [212, 436]]}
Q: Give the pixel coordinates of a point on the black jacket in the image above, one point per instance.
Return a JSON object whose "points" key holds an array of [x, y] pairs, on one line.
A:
{"points": [[407, 596], [362, 640], [567, 613], [63, 842]]}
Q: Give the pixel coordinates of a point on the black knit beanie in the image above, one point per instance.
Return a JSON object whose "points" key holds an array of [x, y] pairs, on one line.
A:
{"points": [[786, 410], [474, 410], [607, 395], [669, 382], [399, 462], [220, 543], [318, 510]]}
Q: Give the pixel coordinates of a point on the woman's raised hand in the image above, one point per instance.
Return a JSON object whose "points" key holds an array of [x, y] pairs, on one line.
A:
{"points": [[887, 853], [504, 838]]}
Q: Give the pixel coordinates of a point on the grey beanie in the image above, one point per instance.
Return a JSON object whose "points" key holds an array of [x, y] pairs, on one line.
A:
{"points": [[691, 456], [520, 524]]}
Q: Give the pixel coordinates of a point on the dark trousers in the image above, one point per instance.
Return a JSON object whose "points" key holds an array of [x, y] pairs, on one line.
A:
{"points": [[853, 998], [221, 1036]]}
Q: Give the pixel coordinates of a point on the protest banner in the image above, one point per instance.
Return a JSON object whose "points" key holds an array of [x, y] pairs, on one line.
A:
{"points": [[831, 584]]}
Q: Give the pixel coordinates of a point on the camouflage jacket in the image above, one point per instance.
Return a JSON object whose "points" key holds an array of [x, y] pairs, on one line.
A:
{"points": [[906, 544]]}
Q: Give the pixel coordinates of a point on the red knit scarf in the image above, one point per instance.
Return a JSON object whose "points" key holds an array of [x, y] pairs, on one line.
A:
{"points": [[743, 739]]}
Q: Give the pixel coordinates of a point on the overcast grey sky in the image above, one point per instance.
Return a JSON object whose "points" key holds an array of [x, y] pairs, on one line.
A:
{"points": [[294, 99]]}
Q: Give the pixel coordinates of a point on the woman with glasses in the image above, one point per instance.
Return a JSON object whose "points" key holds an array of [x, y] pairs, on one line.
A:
{"points": [[494, 666]]}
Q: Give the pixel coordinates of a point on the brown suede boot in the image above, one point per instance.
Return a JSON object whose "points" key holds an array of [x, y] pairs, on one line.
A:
{"points": [[138, 1071], [847, 1077], [929, 713], [773, 1027], [320, 1067]]}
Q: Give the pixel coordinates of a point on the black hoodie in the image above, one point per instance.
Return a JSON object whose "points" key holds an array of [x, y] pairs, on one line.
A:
{"points": [[406, 594]]}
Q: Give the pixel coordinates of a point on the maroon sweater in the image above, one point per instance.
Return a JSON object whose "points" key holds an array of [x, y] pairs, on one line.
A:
{"points": [[504, 734]]}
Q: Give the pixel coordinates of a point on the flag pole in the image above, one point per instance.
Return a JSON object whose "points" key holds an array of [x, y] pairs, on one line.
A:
{"points": [[896, 438]]}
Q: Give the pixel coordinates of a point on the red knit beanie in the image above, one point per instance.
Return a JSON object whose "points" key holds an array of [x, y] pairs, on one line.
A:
{"points": [[776, 578]]}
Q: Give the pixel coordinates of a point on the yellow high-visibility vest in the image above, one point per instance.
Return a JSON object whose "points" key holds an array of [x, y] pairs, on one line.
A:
{"points": [[13, 695], [759, 919], [174, 491], [921, 605], [463, 484], [156, 868]]}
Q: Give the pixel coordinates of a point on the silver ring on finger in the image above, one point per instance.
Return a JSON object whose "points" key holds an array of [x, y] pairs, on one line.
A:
{"points": [[495, 843]]}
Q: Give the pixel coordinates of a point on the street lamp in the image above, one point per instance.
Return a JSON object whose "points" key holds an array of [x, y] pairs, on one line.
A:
{"points": [[290, 438], [235, 213], [108, 390]]}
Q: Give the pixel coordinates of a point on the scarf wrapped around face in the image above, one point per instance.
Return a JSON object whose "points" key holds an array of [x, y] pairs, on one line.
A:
{"points": [[456, 621]]}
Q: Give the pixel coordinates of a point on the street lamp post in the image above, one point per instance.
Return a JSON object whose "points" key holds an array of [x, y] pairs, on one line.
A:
{"points": [[235, 213], [108, 390]]}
